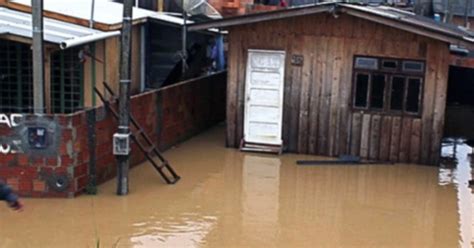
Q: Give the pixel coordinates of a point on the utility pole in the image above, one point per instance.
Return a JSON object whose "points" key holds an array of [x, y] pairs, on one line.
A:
{"points": [[124, 100], [38, 56], [184, 40]]}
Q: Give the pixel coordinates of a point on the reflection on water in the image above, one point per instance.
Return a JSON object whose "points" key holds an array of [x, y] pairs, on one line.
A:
{"points": [[458, 172], [232, 199]]}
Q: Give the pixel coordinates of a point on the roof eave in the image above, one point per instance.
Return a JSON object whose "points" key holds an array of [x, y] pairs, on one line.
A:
{"points": [[436, 34], [259, 17]]}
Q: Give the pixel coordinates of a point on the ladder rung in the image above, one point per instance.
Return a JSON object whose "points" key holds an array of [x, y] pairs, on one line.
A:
{"points": [[149, 150], [140, 131]]}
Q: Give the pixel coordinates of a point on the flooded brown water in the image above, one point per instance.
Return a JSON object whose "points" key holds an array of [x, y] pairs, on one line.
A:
{"points": [[232, 199]]}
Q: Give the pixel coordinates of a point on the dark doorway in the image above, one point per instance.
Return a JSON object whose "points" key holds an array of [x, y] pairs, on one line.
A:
{"points": [[459, 122]]}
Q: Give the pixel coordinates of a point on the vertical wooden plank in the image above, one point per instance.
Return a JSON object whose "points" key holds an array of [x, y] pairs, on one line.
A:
{"points": [[405, 140], [336, 65], [375, 137], [323, 118], [395, 138], [355, 134], [246, 42], [296, 84], [439, 103], [287, 94], [233, 63], [112, 60], [429, 89], [385, 133], [315, 97], [303, 131], [365, 136], [345, 99], [135, 66], [415, 141]]}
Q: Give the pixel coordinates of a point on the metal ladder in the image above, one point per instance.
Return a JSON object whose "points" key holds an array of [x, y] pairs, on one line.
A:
{"points": [[149, 149]]}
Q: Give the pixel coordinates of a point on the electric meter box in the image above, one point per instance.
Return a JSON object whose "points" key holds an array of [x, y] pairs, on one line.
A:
{"points": [[121, 144], [37, 137]]}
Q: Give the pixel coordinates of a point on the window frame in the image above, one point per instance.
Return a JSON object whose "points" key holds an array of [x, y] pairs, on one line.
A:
{"points": [[16, 95], [389, 74], [62, 77]]}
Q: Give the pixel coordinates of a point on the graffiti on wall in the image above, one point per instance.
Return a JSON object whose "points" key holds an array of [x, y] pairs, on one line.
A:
{"points": [[10, 144]]}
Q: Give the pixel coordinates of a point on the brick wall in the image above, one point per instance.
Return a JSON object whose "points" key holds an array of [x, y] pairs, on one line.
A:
{"points": [[169, 115]]}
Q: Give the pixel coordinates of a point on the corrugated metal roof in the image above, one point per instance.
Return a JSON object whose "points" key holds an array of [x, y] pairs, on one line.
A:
{"points": [[411, 18], [385, 15], [105, 11], [58, 32], [456, 7]]}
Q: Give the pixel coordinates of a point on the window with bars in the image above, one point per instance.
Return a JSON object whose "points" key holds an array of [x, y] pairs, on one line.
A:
{"points": [[385, 85], [67, 73], [16, 80]]}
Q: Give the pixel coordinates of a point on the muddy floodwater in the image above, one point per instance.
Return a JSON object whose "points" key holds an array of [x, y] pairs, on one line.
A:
{"points": [[227, 198]]}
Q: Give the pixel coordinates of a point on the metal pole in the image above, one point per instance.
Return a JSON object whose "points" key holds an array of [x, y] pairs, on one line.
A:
{"points": [[466, 13], [184, 38], [124, 94], [38, 56], [91, 21]]}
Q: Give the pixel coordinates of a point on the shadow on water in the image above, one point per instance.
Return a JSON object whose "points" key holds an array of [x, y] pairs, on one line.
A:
{"points": [[232, 199]]}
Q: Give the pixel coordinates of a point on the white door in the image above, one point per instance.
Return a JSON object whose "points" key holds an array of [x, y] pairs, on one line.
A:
{"points": [[264, 97]]}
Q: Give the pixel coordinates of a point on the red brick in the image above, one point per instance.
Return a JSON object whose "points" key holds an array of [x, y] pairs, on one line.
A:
{"points": [[79, 118], [38, 161], [7, 158], [23, 160], [52, 161], [13, 183], [61, 170], [63, 148], [63, 120], [25, 186], [80, 170], [66, 135], [66, 160], [39, 186], [28, 172], [81, 183], [77, 146]]}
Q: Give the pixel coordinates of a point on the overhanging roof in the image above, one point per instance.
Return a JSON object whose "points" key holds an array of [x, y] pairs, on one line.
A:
{"points": [[384, 15], [57, 32], [106, 12]]}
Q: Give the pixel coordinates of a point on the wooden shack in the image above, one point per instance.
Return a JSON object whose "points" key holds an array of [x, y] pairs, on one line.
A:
{"points": [[360, 80]]}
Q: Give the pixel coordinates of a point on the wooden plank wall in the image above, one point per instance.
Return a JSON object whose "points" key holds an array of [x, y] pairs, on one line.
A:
{"points": [[318, 118]]}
